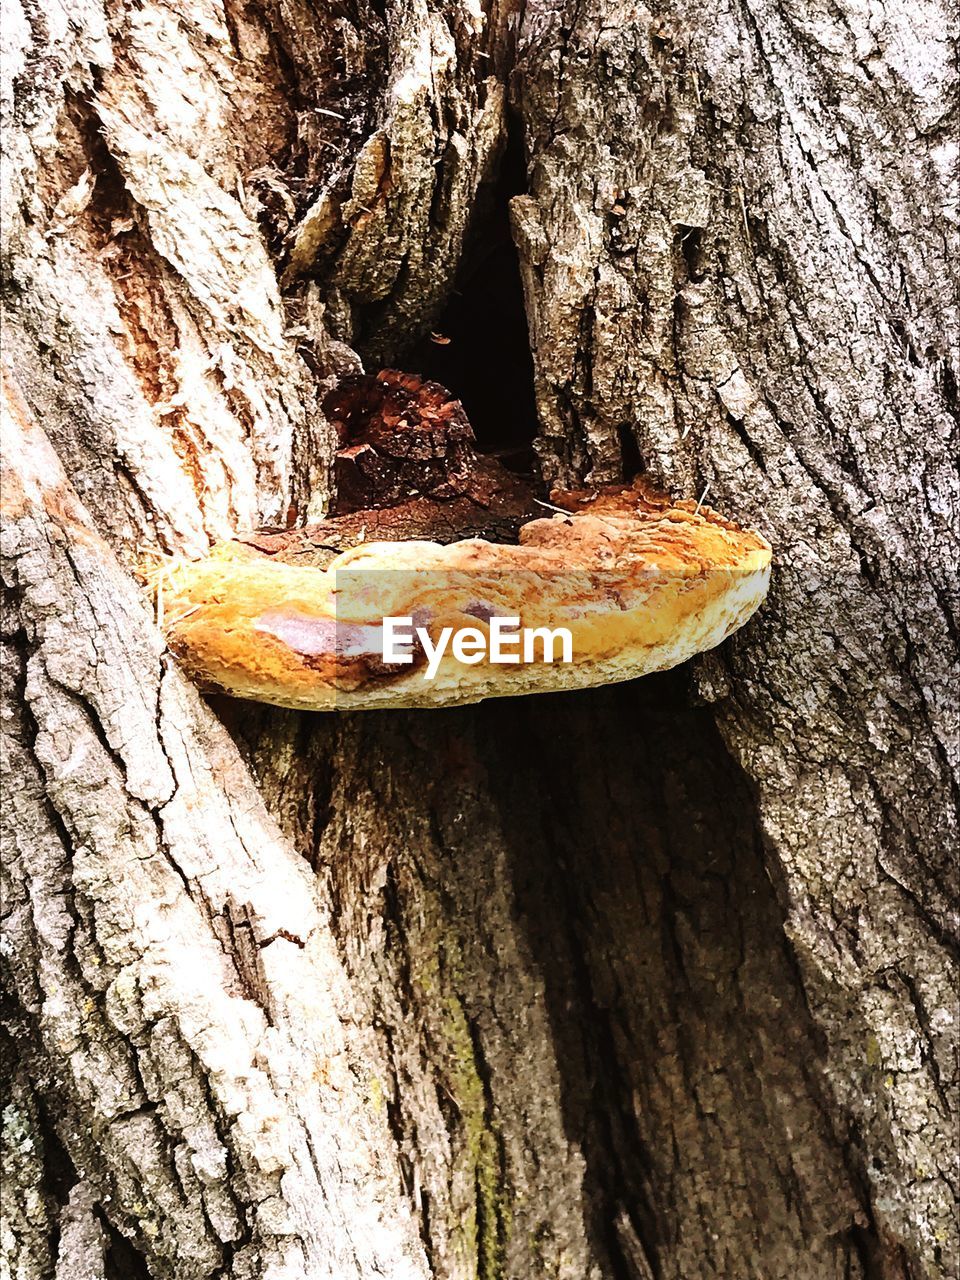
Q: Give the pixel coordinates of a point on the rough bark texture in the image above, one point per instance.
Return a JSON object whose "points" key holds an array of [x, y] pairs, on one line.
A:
{"points": [[647, 983]]}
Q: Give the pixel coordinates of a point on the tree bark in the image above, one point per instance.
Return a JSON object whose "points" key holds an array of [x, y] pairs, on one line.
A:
{"points": [[644, 983]]}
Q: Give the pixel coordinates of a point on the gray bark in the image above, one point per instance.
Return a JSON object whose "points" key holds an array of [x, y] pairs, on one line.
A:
{"points": [[651, 981]]}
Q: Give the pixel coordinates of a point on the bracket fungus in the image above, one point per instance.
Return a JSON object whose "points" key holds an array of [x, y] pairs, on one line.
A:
{"points": [[296, 618]]}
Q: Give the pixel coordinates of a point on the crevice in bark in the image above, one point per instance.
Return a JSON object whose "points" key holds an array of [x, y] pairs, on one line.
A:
{"points": [[490, 1171], [123, 1261], [632, 459], [880, 1260], [480, 348], [59, 1171]]}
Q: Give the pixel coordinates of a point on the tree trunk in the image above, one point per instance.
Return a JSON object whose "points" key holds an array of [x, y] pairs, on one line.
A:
{"points": [[644, 983]]}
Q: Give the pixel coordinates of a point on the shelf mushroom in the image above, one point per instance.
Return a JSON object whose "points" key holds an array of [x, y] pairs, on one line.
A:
{"points": [[611, 585]]}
